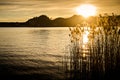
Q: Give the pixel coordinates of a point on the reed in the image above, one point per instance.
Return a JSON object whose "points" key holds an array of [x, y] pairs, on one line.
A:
{"points": [[99, 56]]}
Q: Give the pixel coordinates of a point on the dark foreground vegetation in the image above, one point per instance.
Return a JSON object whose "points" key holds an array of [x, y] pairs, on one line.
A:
{"points": [[45, 21]]}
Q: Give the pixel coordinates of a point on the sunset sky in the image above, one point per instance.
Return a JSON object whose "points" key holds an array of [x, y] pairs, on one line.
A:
{"points": [[22, 10]]}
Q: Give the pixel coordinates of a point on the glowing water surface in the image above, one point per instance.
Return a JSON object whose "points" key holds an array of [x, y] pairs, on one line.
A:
{"points": [[32, 51]]}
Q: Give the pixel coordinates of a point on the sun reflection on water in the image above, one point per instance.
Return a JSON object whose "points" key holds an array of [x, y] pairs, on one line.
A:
{"points": [[85, 43], [84, 55], [85, 37]]}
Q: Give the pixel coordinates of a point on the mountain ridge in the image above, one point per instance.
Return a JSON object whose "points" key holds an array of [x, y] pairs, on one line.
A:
{"points": [[45, 21]]}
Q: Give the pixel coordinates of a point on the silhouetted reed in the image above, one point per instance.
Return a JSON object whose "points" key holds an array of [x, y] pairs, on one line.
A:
{"points": [[94, 52]]}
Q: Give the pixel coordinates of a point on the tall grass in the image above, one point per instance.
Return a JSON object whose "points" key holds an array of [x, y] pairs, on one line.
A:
{"points": [[99, 58]]}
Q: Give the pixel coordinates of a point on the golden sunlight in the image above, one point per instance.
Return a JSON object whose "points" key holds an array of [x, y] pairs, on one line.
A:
{"points": [[85, 37], [86, 10]]}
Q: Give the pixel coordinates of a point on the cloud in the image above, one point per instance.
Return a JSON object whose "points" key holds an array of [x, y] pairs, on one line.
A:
{"points": [[31, 8], [57, 3]]}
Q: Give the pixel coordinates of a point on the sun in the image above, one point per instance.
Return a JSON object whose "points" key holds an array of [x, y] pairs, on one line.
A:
{"points": [[86, 10]]}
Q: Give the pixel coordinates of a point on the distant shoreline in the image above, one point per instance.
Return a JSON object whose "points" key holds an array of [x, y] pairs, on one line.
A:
{"points": [[45, 21]]}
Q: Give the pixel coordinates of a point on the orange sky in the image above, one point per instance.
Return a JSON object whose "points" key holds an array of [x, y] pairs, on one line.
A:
{"points": [[22, 10]]}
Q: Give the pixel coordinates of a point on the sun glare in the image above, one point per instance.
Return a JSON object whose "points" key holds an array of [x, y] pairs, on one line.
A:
{"points": [[86, 10]]}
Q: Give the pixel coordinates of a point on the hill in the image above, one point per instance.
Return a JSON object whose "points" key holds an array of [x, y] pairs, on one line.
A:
{"points": [[45, 21]]}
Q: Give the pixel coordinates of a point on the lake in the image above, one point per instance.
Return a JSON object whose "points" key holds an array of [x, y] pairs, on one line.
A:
{"points": [[32, 53], [48, 54]]}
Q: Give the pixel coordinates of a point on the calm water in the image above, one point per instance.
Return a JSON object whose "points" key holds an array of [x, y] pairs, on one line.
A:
{"points": [[32, 53], [40, 54]]}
